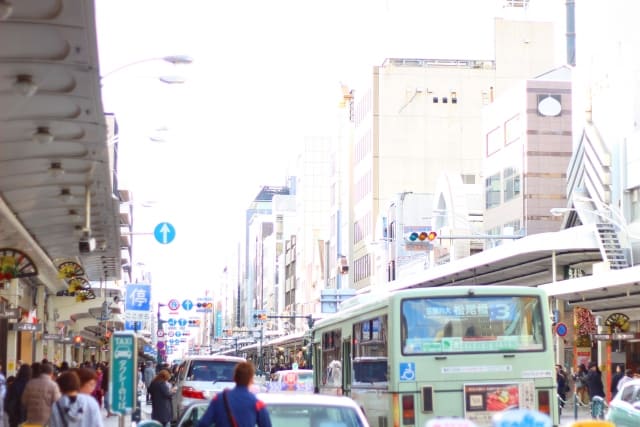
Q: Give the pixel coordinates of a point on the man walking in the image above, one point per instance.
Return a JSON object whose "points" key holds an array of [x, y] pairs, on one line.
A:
{"points": [[148, 375], [237, 407], [39, 394]]}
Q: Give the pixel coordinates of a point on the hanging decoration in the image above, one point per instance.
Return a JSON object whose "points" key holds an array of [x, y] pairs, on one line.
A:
{"points": [[15, 264], [70, 269], [584, 324], [617, 322]]}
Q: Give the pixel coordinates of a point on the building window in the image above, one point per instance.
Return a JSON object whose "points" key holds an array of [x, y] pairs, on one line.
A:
{"points": [[492, 191], [495, 140], [512, 129], [511, 178]]}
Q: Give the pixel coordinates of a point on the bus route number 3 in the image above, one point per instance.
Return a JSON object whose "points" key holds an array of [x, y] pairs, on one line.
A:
{"points": [[407, 371]]}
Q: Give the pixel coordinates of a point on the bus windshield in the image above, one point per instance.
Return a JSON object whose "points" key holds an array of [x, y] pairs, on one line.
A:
{"points": [[472, 324]]}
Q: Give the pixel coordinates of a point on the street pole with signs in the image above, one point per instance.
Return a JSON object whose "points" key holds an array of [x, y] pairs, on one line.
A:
{"points": [[123, 378]]}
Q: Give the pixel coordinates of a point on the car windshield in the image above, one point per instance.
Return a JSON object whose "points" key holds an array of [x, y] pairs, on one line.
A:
{"points": [[309, 415], [211, 370]]}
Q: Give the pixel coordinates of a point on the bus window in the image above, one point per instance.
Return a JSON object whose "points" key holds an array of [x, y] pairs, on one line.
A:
{"points": [[370, 370]]}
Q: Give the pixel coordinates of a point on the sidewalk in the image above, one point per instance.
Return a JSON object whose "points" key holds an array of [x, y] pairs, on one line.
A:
{"points": [[114, 420]]}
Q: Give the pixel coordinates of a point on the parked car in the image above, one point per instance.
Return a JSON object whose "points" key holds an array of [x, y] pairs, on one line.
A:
{"points": [[201, 377], [291, 380], [624, 408], [297, 409]]}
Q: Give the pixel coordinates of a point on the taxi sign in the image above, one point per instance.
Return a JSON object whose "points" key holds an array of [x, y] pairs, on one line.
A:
{"points": [[123, 372], [450, 422]]}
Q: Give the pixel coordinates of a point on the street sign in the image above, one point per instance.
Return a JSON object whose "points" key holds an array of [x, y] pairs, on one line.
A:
{"points": [[10, 313], [26, 327], [51, 337], [561, 329], [173, 305], [182, 322], [187, 304], [123, 372], [164, 233], [138, 302]]}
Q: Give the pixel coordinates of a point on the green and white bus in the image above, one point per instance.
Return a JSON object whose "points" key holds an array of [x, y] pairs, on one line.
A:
{"points": [[411, 355]]}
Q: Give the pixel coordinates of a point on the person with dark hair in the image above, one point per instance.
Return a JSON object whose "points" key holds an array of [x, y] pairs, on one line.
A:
{"points": [[12, 402], [74, 409], [581, 387], [238, 406], [88, 380], [596, 390], [39, 394], [616, 379], [161, 398]]}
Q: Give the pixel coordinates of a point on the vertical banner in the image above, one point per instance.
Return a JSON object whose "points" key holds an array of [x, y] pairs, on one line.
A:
{"points": [[123, 378]]}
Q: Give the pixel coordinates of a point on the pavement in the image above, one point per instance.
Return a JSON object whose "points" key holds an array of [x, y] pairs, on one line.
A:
{"points": [[113, 421]]}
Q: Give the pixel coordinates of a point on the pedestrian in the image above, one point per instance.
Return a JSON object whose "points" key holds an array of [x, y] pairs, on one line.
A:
{"points": [[3, 394], [562, 386], [161, 398], [596, 388], [105, 389], [13, 405], [581, 386], [39, 395], [74, 409], [97, 391], [88, 380], [148, 374], [615, 379], [237, 407]]}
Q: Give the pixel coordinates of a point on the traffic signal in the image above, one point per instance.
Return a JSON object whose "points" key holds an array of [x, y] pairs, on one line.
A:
{"points": [[422, 236], [260, 316], [194, 323], [77, 340], [205, 305]]}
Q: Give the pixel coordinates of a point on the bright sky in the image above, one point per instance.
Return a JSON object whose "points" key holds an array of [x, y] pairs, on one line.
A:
{"points": [[266, 73]]}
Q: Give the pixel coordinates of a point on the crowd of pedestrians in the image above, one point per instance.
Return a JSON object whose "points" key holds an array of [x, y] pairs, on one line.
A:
{"points": [[57, 396]]}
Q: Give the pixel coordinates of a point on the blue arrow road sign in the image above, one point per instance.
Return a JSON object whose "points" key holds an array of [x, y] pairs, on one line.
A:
{"points": [[182, 322], [164, 233], [187, 304], [172, 321]]}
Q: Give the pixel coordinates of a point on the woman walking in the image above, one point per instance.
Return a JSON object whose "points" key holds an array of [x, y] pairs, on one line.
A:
{"points": [[12, 402], [161, 397]]}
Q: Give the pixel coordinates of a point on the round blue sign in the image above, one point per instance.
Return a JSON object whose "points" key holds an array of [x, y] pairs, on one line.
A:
{"points": [[164, 233], [561, 329]]}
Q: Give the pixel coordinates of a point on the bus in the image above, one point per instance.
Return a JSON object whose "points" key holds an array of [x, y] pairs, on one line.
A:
{"points": [[411, 355]]}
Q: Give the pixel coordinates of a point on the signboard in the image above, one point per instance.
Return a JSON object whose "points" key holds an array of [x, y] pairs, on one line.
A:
{"points": [[26, 327], [483, 401], [561, 329], [123, 372], [10, 313], [138, 302], [51, 337]]}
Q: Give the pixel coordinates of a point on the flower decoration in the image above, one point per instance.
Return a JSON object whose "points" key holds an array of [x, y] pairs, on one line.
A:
{"points": [[84, 295], [78, 284], [69, 269], [9, 267], [584, 321], [15, 264]]}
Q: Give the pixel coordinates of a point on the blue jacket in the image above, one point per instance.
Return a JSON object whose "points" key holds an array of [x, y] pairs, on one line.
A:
{"points": [[245, 406]]}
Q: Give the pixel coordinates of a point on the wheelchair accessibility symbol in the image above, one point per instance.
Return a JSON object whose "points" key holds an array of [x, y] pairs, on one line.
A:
{"points": [[407, 371]]}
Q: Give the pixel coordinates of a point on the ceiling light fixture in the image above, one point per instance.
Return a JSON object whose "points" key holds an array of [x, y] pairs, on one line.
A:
{"points": [[74, 215], [24, 85], [6, 9], [65, 195], [56, 170], [43, 135]]}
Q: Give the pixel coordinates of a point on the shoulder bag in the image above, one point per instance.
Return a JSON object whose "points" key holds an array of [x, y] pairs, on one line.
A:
{"points": [[232, 420]]}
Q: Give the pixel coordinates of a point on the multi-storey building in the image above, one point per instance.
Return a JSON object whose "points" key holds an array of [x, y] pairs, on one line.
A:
{"points": [[423, 117]]}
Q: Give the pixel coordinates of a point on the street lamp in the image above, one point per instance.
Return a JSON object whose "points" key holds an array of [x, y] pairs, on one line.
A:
{"points": [[172, 59]]}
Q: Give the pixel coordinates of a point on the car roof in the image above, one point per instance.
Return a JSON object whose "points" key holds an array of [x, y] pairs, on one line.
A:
{"points": [[220, 358], [306, 399], [301, 371]]}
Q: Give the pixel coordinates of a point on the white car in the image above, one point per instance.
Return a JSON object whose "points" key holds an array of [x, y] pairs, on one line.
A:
{"points": [[201, 377], [299, 380], [297, 410]]}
